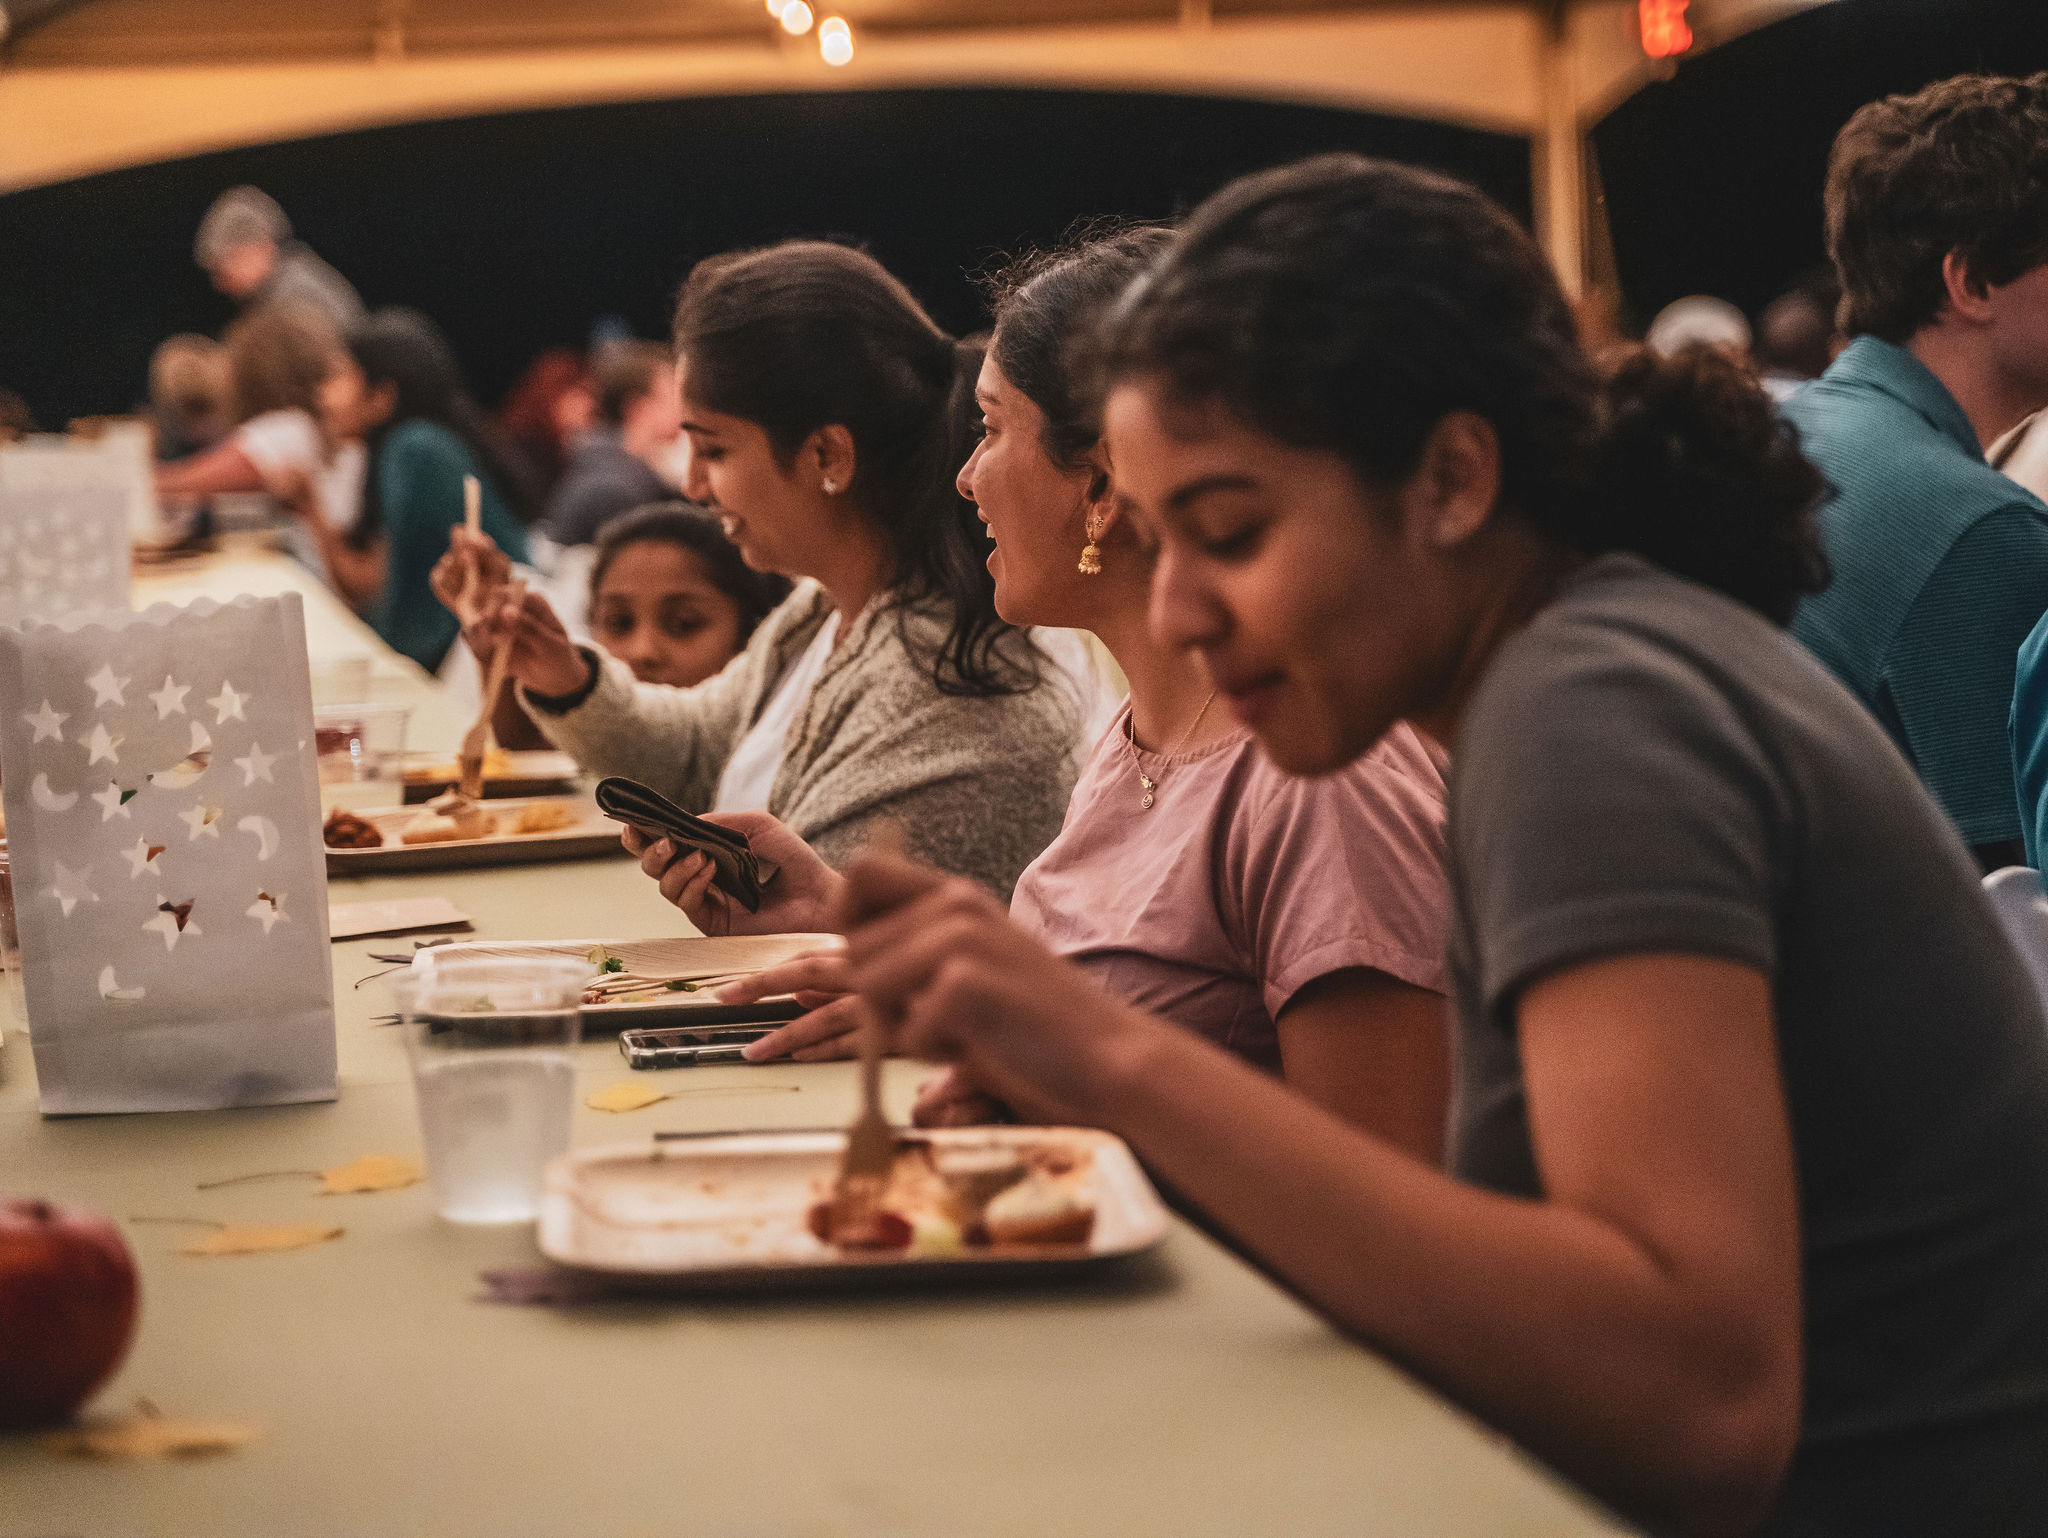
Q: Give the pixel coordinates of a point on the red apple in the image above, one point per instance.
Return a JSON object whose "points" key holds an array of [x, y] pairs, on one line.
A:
{"points": [[67, 1309]]}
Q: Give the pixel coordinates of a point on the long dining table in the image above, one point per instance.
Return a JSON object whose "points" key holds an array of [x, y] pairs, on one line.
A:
{"points": [[1182, 1394]]}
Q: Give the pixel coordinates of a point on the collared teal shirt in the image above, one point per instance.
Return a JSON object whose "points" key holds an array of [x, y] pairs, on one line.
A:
{"points": [[1940, 571]]}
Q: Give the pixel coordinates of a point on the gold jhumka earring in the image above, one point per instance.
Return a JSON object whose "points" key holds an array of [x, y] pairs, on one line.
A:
{"points": [[1091, 553]]}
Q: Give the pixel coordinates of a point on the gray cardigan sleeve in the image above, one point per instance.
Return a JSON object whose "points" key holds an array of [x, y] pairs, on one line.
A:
{"points": [[674, 740]]}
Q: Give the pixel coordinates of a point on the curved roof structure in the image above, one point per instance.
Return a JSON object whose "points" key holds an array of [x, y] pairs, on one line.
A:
{"points": [[94, 85]]}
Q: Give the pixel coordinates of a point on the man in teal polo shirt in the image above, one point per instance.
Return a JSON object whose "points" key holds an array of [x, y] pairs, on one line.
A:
{"points": [[1937, 222]]}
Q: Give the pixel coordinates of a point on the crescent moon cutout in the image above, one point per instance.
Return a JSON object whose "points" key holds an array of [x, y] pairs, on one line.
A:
{"points": [[110, 989], [47, 799], [266, 835]]}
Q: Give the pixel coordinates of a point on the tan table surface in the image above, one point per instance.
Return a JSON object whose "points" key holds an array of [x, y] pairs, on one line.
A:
{"points": [[1188, 1397]]}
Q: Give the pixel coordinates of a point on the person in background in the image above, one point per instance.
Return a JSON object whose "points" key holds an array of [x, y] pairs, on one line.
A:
{"points": [[611, 466], [245, 244], [671, 597], [547, 410], [16, 420], [191, 395], [1937, 223], [1299, 923], [279, 358], [1795, 340], [1747, 1224], [1699, 320], [827, 416], [400, 390]]}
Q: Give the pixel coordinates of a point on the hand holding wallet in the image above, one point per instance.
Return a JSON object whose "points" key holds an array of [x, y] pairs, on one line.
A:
{"points": [[736, 869]]}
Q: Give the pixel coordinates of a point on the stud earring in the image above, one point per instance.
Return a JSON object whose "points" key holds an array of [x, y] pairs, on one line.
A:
{"points": [[831, 488], [1091, 553]]}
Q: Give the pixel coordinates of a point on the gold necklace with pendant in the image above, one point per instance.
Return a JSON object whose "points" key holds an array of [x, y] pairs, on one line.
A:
{"points": [[1145, 781]]}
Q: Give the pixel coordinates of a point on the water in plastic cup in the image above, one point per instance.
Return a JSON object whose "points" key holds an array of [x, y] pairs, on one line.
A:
{"points": [[493, 1048], [361, 751]]}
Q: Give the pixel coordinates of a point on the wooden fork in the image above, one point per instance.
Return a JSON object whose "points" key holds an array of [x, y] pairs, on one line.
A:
{"points": [[870, 1154], [477, 740]]}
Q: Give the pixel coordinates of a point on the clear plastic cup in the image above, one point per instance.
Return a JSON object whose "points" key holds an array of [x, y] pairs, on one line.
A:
{"points": [[361, 750], [493, 1049]]}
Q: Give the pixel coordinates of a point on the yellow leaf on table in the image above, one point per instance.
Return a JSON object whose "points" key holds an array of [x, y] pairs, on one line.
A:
{"points": [[372, 1172], [150, 1436], [625, 1096], [234, 1240]]}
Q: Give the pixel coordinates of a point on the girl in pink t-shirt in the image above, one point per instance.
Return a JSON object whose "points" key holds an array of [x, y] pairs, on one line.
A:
{"points": [[1299, 923]]}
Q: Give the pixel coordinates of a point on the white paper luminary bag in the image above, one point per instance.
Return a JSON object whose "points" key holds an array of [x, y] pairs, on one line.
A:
{"points": [[62, 551], [163, 815]]}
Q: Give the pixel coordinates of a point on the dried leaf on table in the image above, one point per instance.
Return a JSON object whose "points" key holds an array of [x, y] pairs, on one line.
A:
{"points": [[235, 1239], [625, 1096], [150, 1436], [372, 1172]]}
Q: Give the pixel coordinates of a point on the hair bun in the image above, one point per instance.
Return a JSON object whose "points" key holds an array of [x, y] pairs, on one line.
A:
{"points": [[1698, 471]]}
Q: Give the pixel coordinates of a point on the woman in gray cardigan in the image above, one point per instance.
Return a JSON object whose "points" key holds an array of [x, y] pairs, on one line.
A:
{"points": [[826, 415]]}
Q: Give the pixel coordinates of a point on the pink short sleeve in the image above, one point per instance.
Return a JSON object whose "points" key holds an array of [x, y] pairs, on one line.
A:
{"points": [[1342, 871]]}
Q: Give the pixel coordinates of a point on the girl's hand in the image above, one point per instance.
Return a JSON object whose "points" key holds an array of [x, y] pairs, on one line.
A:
{"points": [[802, 897], [956, 980], [543, 658], [472, 571]]}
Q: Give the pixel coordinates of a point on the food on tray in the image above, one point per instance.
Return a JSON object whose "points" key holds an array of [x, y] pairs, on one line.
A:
{"points": [[497, 764], [941, 1200], [543, 817], [434, 824], [1038, 1210], [345, 830]]}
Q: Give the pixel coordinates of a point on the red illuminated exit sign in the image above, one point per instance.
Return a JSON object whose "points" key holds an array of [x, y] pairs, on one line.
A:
{"points": [[1664, 30]]}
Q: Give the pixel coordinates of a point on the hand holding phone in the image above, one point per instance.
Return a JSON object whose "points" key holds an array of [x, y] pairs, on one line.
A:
{"points": [[738, 871]]}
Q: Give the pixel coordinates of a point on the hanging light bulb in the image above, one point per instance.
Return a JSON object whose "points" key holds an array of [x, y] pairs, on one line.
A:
{"points": [[796, 18], [835, 41]]}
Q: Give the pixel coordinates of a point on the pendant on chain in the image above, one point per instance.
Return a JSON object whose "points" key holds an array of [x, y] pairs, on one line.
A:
{"points": [[1146, 780]]}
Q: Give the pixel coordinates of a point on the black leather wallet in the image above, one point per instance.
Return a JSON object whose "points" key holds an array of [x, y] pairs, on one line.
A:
{"points": [[737, 870]]}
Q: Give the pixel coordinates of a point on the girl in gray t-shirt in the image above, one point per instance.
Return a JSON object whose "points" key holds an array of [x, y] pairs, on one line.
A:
{"points": [[1747, 1225]]}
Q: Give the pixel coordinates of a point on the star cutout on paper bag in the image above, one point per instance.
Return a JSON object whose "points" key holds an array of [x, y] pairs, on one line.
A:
{"points": [[113, 802], [201, 820], [227, 705], [257, 765], [141, 857], [106, 688], [103, 742], [173, 921], [71, 888], [47, 722], [268, 910], [170, 699]]}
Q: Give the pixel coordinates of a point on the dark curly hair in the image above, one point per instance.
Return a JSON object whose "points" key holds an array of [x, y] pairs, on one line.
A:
{"points": [[1347, 305], [1043, 301], [1961, 166]]}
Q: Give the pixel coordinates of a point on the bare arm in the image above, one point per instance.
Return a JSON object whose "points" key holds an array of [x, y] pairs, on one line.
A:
{"points": [[358, 575], [1376, 1051], [1639, 1326], [222, 468]]}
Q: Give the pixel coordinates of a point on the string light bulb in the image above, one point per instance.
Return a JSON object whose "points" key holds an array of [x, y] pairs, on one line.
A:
{"points": [[835, 41], [796, 18], [775, 9]]}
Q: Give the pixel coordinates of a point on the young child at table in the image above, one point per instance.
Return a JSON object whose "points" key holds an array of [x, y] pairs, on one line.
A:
{"points": [[1192, 879], [1747, 1227], [826, 415]]}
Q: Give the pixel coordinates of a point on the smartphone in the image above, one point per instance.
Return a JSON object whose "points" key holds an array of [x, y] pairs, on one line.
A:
{"points": [[685, 1046]]}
